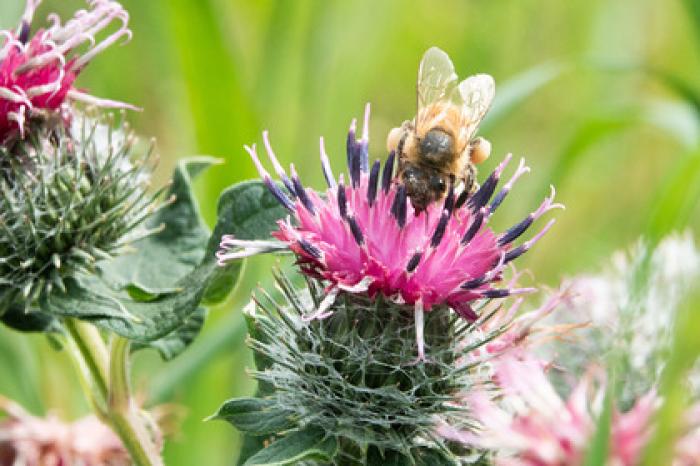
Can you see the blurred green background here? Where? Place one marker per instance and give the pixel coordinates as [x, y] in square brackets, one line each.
[601, 97]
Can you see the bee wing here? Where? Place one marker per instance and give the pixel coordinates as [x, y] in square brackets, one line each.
[436, 80]
[474, 96]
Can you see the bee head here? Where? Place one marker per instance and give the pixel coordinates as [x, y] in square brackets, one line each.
[437, 146]
[423, 186]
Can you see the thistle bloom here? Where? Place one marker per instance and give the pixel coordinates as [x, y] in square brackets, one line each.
[37, 73]
[533, 426]
[26, 440]
[365, 237]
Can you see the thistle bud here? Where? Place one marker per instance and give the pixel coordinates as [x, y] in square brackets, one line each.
[69, 196]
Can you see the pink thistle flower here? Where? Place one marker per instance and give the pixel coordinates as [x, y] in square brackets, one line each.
[533, 426]
[365, 237]
[37, 74]
[26, 440]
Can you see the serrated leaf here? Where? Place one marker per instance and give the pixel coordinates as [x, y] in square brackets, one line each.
[176, 342]
[256, 416]
[307, 444]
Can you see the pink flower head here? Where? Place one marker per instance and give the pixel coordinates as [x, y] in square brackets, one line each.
[533, 426]
[26, 440]
[364, 236]
[37, 73]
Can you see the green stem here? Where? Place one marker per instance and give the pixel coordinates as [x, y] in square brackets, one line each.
[119, 389]
[105, 378]
[93, 352]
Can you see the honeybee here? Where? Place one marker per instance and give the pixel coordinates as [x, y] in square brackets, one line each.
[437, 148]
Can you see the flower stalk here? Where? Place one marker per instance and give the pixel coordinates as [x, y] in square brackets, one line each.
[106, 380]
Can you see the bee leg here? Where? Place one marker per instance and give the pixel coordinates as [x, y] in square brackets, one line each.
[469, 179]
[396, 139]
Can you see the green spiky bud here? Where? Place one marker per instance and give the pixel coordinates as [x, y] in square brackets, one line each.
[355, 376]
[69, 196]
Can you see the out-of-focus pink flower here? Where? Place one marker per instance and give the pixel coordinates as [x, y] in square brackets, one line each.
[37, 73]
[26, 440]
[687, 451]
[365, 237]
[532, 426]
[523, 331]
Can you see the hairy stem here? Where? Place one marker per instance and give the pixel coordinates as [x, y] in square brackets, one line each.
[105, 377]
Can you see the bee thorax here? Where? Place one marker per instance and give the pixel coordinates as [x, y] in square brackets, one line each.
[437, 146]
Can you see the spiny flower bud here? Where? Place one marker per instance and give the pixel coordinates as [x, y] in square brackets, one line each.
[68, 198]
[354, 374]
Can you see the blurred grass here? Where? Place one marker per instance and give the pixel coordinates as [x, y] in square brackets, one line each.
[620, 145]
[674, 386]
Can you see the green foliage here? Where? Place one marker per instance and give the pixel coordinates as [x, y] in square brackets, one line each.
[247, 211]
[154, 264]
[676, 199]
[674, 391]
[176, 342]
[519, 89]
[309, 444]
[599, 446]
[152, 294]
[256, 416]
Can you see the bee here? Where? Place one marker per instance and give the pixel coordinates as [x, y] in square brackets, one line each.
[438, 148]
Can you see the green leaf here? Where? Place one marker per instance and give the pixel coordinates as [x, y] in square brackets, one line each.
[433, 457]
[694, 12]
[670, 418]
[677, 199]
[518, 89]
[176, 342]
[91, 299]
[29, 320]
[599, 448]
[256, 416]
[591, 131]
[211, 80]
[253, 321]
[676, 120]
[387, 458]
[308, 444]
[246, 210]
[158, 261]
[421, 456]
